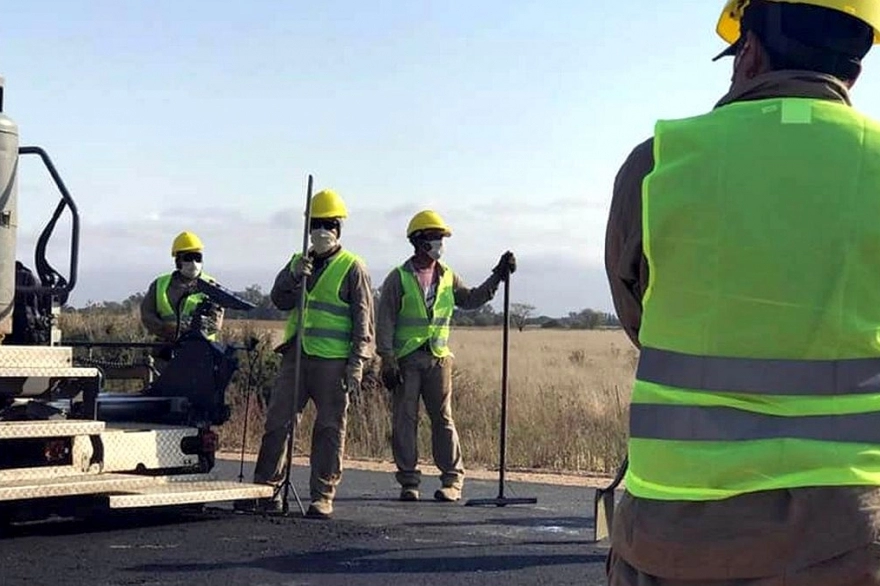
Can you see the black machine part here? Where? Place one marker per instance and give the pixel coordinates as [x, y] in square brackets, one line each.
[222, 296]
[217, 297]
[200, 371]
[191, 387]
[52, 282]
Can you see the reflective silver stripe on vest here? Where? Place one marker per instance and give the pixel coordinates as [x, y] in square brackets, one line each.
[417, 322]
[329, 308]
[435, 342]
[325, 333]
[758, 375]
[725, 424]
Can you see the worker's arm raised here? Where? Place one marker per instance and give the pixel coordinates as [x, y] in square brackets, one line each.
[473, 298]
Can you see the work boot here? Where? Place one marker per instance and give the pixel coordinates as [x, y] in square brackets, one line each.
[320, 509]
[409, 493]
[448, 494]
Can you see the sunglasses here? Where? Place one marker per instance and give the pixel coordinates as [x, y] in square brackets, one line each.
[426, 235]
[323, 224]
[191, 257]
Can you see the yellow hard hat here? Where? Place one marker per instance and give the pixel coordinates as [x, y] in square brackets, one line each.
[427, 220]
[186, 242]
[327, 204]
[867, 11]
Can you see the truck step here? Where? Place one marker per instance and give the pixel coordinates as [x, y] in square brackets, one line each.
[48, 372]
[36, 356]
[186, 493]
[82, 484]
[41, 362]
[49, 428]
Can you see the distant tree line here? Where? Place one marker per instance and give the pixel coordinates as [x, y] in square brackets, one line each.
[521, 314]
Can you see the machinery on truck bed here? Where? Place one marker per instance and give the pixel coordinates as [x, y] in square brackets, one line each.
[65, 443]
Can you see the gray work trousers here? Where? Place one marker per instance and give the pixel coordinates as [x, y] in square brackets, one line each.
[430, 379]
[323, 383]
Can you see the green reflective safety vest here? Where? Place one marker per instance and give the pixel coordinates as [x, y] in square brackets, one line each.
[413, 328]
[163, 304]
[328, 324]
[760, 334]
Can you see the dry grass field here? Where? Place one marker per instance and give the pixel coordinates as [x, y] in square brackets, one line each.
[568, 396]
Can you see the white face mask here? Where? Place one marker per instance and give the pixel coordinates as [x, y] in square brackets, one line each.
[436, 250]
[190, 269]
[323, 240]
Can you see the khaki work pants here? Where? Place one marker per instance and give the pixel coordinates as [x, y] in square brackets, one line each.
[428, 378]
[322, 382]
[813, 536]
[848, 569]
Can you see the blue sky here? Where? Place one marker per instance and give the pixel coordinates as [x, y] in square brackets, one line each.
[510, 118]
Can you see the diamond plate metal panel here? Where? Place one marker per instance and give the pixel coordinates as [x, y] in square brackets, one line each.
[48, 372]
[51, 428]
[74, 485]
[35, 357]
[41, 473]
[186, 493]
[128, 449]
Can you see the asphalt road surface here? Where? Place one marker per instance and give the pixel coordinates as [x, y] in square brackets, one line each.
[373, 539]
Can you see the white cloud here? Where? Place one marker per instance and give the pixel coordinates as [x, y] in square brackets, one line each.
[558, 247]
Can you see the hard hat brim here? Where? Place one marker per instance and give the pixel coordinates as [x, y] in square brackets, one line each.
[728, 52]
[447, 233]
[729, 30]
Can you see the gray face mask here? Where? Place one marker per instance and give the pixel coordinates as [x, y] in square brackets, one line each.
[323, 240]
[436, 250]
[191, 269]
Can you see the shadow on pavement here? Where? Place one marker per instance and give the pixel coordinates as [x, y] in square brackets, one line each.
[375, 561]
[536, 522]
[101, 523]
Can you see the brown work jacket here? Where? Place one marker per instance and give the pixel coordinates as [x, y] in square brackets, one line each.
[764, 534]
[391, 300]
[356, 290]
[149, 310]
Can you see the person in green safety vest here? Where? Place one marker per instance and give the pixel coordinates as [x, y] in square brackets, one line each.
[337, 341]
[415, 311]
[743, 255]
[172, 295]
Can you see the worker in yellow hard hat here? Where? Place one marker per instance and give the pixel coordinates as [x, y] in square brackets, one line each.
[337, 341]
[412, 334]
[171, 299]
[740, 251]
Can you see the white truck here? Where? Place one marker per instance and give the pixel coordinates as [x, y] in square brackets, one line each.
[65, 443]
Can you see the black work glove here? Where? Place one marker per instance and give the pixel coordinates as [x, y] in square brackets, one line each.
[165, 352]
[506, 265]
[391, 376]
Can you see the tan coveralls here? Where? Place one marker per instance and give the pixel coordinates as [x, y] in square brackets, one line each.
[322, 381]
[823, 536]
[427, 377]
